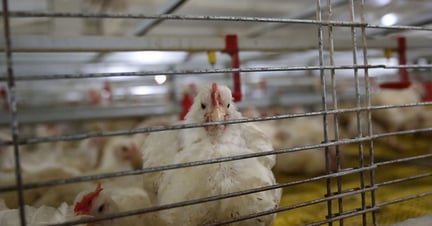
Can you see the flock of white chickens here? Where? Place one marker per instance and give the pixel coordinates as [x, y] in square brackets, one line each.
[94, 156]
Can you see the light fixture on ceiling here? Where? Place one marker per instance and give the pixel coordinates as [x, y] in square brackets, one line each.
[141, 90]
[148, 57]
[160, 79]
[380, 2]
[389, 19]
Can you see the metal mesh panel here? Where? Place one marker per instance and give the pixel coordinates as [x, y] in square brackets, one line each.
[351, 195]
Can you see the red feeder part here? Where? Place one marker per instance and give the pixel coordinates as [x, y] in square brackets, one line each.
[428, 89]
[395, 85]
[231, 48]
[404, 79]
[187, 100]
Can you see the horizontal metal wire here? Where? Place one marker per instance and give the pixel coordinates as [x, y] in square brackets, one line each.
[208, 71]
[81, 136]
[405, 179]
[406, 159]
[398, 27]
[346, 214]
[214, 198]
[209, 18]
[180, 17]
[404, 199]
[185, 72]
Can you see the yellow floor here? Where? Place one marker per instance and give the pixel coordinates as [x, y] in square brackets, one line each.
[386, 215]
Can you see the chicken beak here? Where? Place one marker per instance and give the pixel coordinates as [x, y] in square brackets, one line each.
[135, 158]
[217, 114]
[133, 152]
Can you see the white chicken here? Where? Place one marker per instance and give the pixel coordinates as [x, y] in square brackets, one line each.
[37, 216]
[103, 201]
[82, 155]
[394, 119]
[118, 155]
[212, 104]
[149, 122]
[42, 172]
[268, 127]
[300, 132]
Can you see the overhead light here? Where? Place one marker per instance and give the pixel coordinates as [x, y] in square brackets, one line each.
[140, 90]
[389, 19]
[160, 79]
[148, 57]
[147, 90]
[380, 2]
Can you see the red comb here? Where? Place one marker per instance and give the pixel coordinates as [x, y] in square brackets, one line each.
[84, 206]
[215, 95]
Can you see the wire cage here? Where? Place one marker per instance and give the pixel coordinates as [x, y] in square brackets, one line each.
[368, 184]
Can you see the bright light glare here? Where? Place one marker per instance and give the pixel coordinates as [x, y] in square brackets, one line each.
[160, 79]
[148, 90]
[380, 2]
[141, 90]
[148, 57]
[389, 19]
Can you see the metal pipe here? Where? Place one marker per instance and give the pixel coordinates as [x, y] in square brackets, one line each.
[372, 175]
[231, 47]
[37, 43]
[404, 79]
[323, 100]
[146, 26]
[205, 71]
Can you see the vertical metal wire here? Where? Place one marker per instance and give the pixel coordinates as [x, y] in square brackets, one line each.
[13, 110]
[358, 113]
[369, 113]
[324, 103]
[335, 106]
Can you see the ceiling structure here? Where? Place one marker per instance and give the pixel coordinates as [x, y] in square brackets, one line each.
[56, 45]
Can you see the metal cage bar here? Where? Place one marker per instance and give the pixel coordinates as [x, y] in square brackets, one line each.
[13, 111]
[368, 113]
[24, 14]
[358, 104]
[323, 100]
[208, 71]
[334, 106]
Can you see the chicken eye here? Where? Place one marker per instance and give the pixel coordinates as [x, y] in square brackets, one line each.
[203, 106]
[101, 208]
[124, 149]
